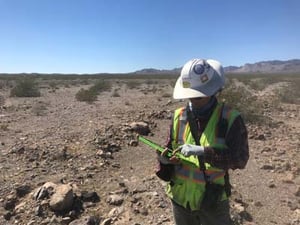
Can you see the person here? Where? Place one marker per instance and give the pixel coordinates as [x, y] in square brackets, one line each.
[211, 138]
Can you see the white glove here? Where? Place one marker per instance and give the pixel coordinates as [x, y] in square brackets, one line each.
[188, 150]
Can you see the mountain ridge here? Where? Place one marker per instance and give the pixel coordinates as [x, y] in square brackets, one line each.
[271, 66]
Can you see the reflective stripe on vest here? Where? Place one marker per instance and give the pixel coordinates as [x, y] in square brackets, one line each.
[182, 126]
[186, 173]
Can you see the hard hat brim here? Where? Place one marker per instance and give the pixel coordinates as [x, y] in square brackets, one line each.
[182, 93]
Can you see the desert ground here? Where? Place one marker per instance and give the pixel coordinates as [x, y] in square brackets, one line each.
[87, 154]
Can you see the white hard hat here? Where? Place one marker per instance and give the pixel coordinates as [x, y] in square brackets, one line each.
[199, 78]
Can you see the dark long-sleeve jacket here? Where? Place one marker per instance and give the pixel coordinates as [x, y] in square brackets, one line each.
[235, 156]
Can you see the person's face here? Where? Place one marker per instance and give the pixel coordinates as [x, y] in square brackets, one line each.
[199, 102]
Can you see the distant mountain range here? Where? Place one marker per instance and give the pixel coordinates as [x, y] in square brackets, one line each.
[273, 66]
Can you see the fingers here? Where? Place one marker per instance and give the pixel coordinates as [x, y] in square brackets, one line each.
[175, 160]
[164, 153]
[177, 150]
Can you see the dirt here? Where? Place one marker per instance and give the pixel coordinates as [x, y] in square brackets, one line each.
[55, 138]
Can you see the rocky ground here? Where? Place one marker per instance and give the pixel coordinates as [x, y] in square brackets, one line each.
[68, 162]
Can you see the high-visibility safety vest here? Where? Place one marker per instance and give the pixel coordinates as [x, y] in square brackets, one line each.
[187, 185]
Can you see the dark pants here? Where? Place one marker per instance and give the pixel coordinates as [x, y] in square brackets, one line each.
[218, 216]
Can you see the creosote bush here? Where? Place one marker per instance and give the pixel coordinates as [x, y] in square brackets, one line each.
[249, 106]
[132, 84]
[90, 95]
[290, 93]
[25, 88]
[101, 86]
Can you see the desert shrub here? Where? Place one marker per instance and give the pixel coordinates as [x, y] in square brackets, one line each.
[101, 86]
[2, 100]
[133, 84]
[84, 81]
[2, 85]
[26, 87]
[53, 85]
[150, 82]
[6, 84]
[88, 96]
[290, 93]
[249, 106]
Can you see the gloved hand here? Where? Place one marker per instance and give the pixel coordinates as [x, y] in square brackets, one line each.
[162, 158]
[189, 149]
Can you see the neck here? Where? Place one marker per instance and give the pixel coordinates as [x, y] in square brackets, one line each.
[204, 110]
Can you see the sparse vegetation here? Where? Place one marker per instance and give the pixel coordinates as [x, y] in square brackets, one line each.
[132, 84]
[290, 93]
[2, 100]
[101, 86]
[25, 87]
[88, 96]
[249, 106]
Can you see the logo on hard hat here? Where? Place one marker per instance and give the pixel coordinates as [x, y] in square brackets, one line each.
[186, 84]
[199, 68]
[204, 78]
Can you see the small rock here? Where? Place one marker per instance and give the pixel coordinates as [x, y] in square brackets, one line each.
[271, 184]
[38, 210]
[10, 204]
[115, 200]
[45, 191]
[89, 196]
[106, 221]
[115, 212]
[7, 215]
[133, 143]
[141, 128]
[268, 167]
[260, 137]
[62, 199]
[297, 193]
[258, 204]
[20, 208]
[22, 190]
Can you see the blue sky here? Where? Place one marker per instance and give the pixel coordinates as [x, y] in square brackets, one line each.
[90, 36]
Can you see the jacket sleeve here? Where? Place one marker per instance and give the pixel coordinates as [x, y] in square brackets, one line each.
[236, 155]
